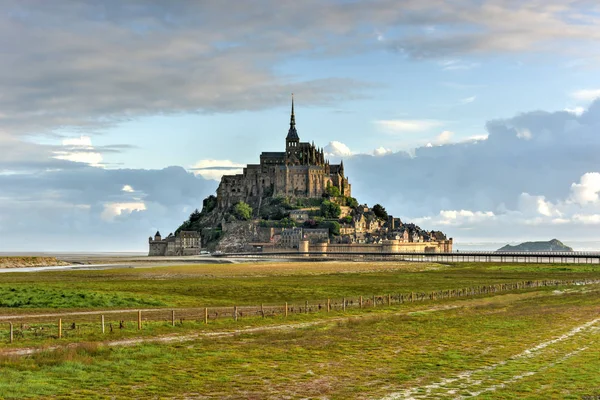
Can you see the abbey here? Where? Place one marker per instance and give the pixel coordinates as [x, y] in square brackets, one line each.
[300, 171]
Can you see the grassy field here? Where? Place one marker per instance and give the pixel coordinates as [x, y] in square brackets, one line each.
[541, 343]
[241, 284]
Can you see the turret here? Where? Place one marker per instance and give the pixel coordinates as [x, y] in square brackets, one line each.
[292, 140]
[157, 236]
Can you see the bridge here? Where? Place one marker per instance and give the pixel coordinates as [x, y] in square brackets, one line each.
[572, 257]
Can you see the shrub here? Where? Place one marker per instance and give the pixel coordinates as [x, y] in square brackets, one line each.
[330, 209]
[242, 211]
[380, 212]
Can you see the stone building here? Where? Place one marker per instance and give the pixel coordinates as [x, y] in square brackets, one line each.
[300, 171]
[186, 243]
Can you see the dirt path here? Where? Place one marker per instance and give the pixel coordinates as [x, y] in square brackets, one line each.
[529, 362]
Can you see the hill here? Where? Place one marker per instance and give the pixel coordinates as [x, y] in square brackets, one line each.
[551, 245]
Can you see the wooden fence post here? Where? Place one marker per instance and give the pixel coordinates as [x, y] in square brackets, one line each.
[306, 307]
[139, 319]
[11, 332]
[360, 301]
[344, 304]
[235, 313]
[60, 328]
[374, 304]
[172, 317]
[328, 305]
[102, 321]
[262, 310]
[389, 300]
[205, 315]
[286, 309]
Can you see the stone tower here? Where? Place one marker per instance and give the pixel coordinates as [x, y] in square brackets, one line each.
[292, 141]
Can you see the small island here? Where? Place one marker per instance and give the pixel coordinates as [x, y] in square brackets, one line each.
[551, 245]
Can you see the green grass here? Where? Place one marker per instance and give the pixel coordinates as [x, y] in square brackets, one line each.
[358, 354]
[251, 284]
[366, 356]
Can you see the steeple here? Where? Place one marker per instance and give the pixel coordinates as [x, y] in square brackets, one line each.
[292, 134]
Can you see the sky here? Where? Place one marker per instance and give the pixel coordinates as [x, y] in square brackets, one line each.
[476, 117]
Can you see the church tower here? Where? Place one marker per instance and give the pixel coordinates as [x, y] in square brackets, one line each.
[292, 141]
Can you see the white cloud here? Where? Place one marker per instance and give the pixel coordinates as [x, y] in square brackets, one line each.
[476, 138]
[215, 169]
[524, 134]
[112, 210]
[586, 94]
[467, 100]
[79, 150]
[587, 219]
[407, 125]
[457, 218]
[575, 110]
[337, 149]
[457, 64]
[128, 189]
[586, 191]
[381, 151]
[534, 205]
[83, 141]
[444, 137]
[93, 159]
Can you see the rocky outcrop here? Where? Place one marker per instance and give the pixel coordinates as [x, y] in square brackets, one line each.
[551, 245]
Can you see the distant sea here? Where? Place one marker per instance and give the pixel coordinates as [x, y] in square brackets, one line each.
[590, 245]
[593, 245]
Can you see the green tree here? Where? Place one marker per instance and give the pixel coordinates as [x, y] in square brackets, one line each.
[242, 211]
[380, 212]
[195, 216]
[333, 226]
[351, 202]
[347, 219]
[330, 209]
[209, 204]
[333, 191]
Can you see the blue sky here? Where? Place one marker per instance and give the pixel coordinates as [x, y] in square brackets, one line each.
[474, 117]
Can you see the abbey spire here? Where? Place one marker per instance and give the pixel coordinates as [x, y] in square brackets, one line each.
[292, 133]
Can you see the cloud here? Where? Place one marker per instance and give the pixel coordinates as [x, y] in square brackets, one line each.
[215, 169]
[467, 100]
[112, 210]
[537, 167]
[80, 150]
[524, 133]
[453, 65]
[407, 125]
[337, 149]
[576, 110]
[67, 69]
[95, 205]
[381, 151]
[444, 137]
[587, 95]
[586, 191]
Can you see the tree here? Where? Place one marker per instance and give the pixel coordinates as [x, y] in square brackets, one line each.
[195, 216]
[380, 212]
[333, 191]
[347, 219]
[330, 209]
[209, 204]
[351, 202]
[242, 211]
[333, 226]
